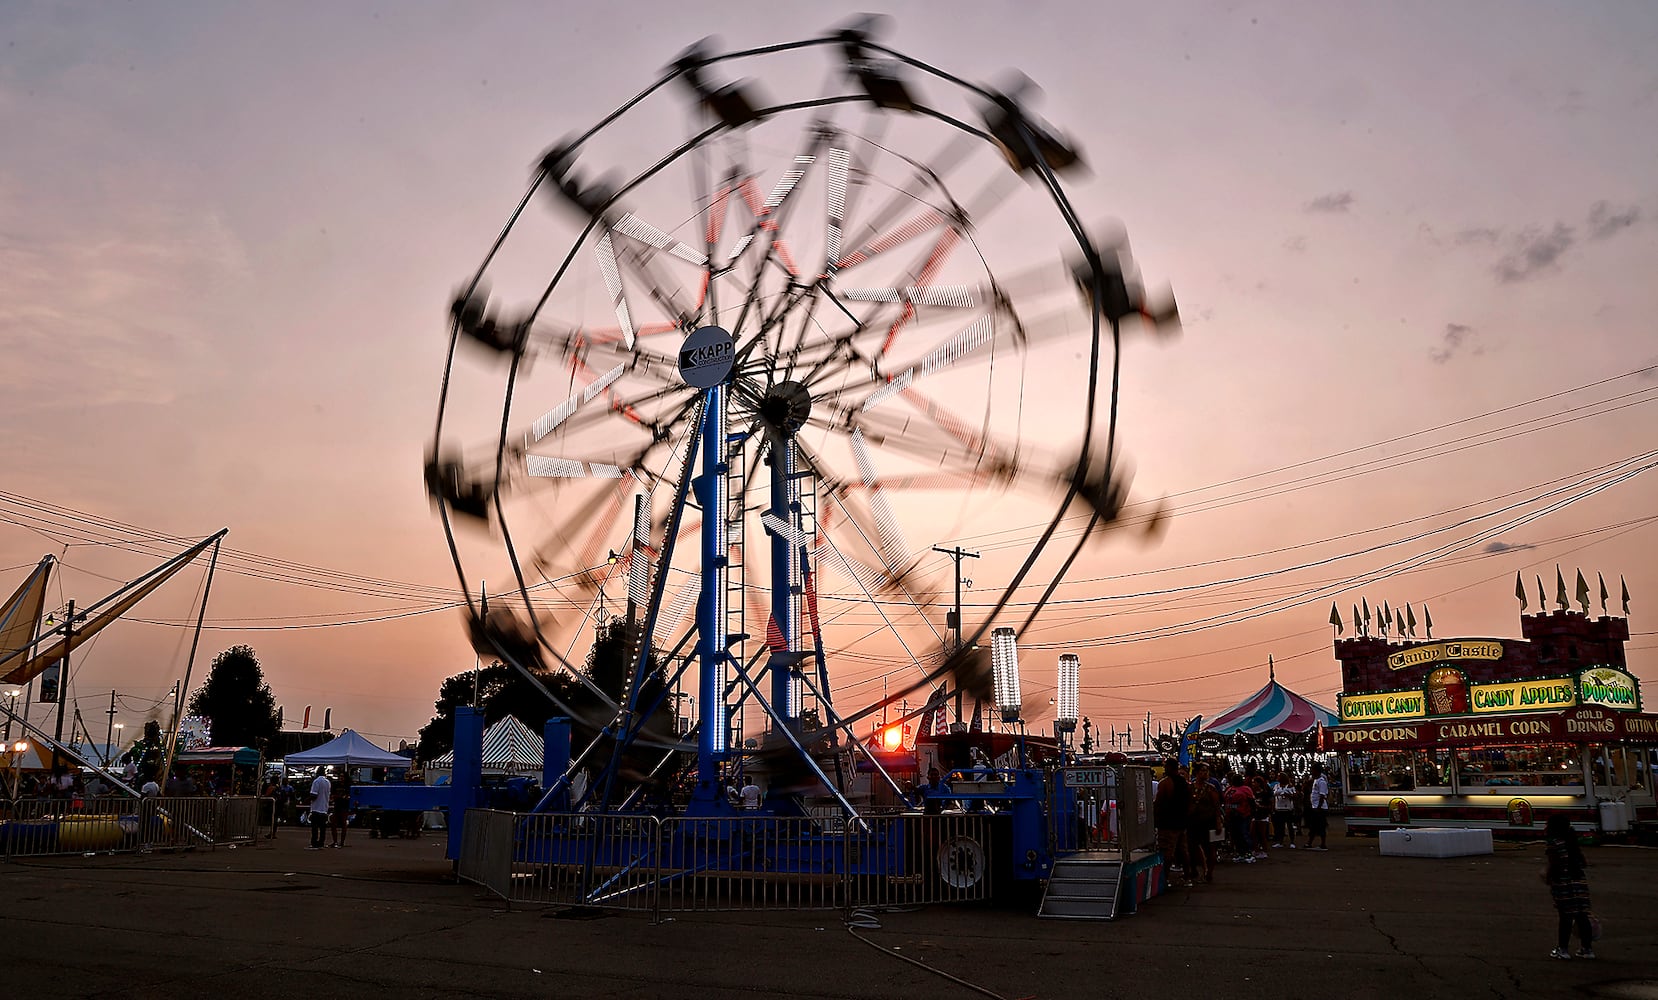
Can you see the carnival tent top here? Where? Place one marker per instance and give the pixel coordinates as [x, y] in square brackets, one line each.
[348, 749]
[1273, 707]
[509, 746]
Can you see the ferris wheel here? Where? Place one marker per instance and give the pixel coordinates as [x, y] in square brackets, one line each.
[753, 343]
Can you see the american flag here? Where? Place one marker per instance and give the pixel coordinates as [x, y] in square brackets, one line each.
[936, 721]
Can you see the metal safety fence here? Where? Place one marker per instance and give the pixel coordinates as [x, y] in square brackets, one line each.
[39, 827]
[687, 864]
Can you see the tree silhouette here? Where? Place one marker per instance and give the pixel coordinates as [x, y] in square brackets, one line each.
[501, 691]
[236, 701]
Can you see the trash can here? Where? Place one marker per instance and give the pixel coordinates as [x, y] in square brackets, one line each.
[1614, 816]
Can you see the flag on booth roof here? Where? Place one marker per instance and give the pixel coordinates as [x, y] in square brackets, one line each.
[1358, 623]
[774, 636]
[941, 718]
[1335, 618]
[924, 727]
[1583, 591]
[1399, 620]
[1542, 600]
[1561, 602]
[1410, 620]
[1625, 587]
[1520, 591]
[1603, 594]
[1427, 620]
[1366, 604]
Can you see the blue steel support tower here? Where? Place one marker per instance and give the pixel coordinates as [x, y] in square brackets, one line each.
[711, 635]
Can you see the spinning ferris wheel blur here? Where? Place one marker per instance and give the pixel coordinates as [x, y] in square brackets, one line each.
[775, 350]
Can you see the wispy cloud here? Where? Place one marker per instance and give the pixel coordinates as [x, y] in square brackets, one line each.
[1498, 545]
[1533, 252]
[1478, 236]
[111, 307]
[1458, 338]
[1605, 221]
[1339, 201]
[1295, 244]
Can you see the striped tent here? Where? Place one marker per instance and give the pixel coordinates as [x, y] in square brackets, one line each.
[509, 748]
[1273, 707]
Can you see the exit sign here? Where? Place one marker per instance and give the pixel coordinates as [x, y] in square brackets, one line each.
[1085, 777]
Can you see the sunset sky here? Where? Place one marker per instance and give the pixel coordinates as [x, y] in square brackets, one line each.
[1414, 248]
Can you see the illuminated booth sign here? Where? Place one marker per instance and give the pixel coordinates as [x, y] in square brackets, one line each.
[1577, 725]
[1447, 692]
[1610, 687]
[1436, 652]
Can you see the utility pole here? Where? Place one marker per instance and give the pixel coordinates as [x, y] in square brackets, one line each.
[957, 554]
[483, 616]
[109, 729]
[63, 675]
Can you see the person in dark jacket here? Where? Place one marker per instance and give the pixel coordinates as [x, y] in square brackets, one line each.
[1168, 813]
[1568, 886]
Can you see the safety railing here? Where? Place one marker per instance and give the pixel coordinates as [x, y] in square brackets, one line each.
[913, 860]
[486, 849]
[688, 864]
[587, 859]
[36, 827]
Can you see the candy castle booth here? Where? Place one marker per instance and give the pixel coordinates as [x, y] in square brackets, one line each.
[1496, 733]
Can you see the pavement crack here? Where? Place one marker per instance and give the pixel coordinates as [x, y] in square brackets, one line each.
[1393, 943]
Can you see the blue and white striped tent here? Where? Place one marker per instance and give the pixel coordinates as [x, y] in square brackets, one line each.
[510, 747]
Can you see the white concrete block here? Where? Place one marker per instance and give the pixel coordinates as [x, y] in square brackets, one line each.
[1434, 842]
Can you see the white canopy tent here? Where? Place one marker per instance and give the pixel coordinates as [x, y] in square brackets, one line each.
[347, 749]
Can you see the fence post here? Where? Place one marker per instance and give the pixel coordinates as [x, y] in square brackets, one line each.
[656, 870]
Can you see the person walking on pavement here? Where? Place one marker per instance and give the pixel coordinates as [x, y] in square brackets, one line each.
[321, 790]
[1568, 887]
[1318, 810]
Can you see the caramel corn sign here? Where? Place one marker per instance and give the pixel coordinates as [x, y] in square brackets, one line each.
[1438, 652]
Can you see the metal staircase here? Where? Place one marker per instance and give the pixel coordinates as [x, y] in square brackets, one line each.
[1084, 886]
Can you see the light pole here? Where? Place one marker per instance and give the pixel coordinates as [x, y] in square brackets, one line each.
[115, 745]
[18, 749]
[11, 709]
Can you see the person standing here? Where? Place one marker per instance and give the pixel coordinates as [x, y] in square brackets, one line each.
[321, 791]
[1283, 812]
[1568, 886]
[1240, 808]
[1318, 810]
[1169, 807]
[340, 814]
[1203, 820]
[750, 796]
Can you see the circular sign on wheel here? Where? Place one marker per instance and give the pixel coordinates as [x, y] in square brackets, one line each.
[961, 863]
[706, 356]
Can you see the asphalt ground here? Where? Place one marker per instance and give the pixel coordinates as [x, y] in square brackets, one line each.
[385, 918]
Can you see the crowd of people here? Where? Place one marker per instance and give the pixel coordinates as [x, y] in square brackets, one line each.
[1198, 812]
[64, 782]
